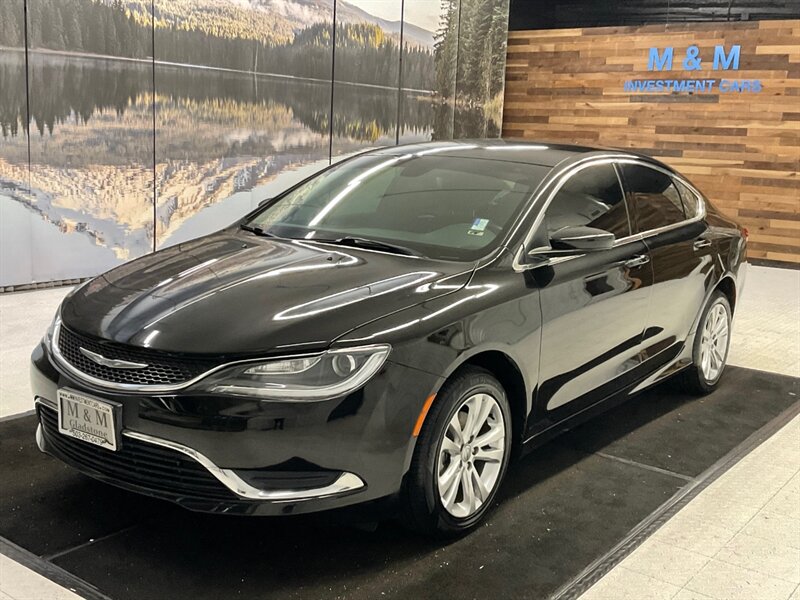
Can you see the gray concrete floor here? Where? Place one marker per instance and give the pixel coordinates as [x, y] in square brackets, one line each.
[24, 317]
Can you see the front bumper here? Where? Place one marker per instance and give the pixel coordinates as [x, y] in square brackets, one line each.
[238, 455]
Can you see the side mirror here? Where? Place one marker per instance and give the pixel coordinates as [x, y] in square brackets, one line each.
[583, 239]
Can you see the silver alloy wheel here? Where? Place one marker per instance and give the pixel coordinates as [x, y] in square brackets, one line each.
[471, 455]
[714, 342]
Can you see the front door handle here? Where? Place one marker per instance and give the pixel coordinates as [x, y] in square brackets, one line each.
[637, 261]
[701, 244]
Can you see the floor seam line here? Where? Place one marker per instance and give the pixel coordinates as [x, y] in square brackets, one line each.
[50, 571]
[752, 570]
[646, 467]
[91, 542]
[19, 415]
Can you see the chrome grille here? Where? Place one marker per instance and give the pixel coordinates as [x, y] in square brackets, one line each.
[161, 369]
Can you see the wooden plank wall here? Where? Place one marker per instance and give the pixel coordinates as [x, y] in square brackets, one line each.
[741, 149]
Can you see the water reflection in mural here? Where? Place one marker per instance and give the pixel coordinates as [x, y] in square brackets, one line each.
[15, 221]
[367, 72]
[241, 107]
[90, 146]
[429, 63]
[222, 134]
[226, 133]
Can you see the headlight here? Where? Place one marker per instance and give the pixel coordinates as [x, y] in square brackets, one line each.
[319, 377]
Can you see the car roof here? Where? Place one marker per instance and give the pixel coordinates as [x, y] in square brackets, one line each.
[536, 153]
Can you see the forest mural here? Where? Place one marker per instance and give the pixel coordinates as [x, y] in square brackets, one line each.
[129, 125]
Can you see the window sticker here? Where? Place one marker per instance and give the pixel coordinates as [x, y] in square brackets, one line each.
[478, 227]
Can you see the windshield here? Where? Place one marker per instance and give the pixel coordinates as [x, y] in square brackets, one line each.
[442, 207]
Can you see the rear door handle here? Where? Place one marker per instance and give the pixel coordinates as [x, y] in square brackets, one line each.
[637, 261]
[701, 244]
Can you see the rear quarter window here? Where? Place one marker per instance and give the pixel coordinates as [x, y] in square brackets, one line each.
[654, 196]
[691, 201]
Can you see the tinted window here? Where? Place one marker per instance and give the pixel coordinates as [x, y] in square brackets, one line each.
[592, 198]
[655, 197]
[691, 203]
[442, 207]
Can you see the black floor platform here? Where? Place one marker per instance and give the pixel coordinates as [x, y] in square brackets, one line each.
[561, 508]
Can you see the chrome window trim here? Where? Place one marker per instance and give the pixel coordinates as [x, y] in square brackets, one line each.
[589, 236]
[520, 265]
[625, 200]
[698, 197]
[346, 482]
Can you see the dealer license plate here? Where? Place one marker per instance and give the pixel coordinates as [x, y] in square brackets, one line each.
[87, 418]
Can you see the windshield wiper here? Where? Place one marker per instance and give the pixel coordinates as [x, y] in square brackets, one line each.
[257, 230]
[359, 242]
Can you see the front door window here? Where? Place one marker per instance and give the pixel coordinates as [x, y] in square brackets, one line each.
[591, 198]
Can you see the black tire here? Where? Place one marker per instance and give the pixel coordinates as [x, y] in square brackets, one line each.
[692, 379]
[422, 508]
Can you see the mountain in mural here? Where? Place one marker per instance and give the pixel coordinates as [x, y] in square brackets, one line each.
[271, 21]
[347, 13]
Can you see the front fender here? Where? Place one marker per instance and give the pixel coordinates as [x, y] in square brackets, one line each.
[498, 311]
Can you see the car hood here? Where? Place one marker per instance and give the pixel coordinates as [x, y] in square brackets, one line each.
[233, 293]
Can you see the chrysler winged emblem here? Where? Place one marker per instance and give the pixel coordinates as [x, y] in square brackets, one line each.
[110, 362]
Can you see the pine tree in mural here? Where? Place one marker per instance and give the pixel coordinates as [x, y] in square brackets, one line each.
[90, 27]
[446, 48]
[482, 42]
[482, 49]
[11, 24]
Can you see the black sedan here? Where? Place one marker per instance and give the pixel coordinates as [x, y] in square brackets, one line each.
[395, 327]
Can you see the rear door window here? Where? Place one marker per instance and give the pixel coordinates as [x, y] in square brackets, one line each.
[654, 196]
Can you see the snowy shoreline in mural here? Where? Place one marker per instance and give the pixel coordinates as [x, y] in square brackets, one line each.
[117, 169]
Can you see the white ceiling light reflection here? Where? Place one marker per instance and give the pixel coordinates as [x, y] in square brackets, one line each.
[357, 294]
[350, 186]
[517, 147]
[150, 337]
[347, 259]
[485, 289]
[197, 267]
[446, 149]
[165, 282]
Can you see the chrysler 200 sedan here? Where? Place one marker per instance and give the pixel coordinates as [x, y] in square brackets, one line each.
[396, 326]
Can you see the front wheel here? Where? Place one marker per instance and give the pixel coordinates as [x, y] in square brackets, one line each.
[710, 350]
[461, 456]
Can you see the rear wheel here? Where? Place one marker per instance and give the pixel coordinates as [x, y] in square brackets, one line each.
[461, 456]
[710, 350]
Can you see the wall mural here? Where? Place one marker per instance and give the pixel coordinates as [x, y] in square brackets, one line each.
[155, 121]
[16, 221]
[480, 72]
[242, 96]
